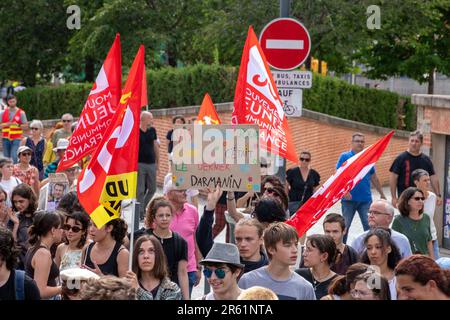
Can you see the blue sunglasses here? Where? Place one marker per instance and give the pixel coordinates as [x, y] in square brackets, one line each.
[220, 273]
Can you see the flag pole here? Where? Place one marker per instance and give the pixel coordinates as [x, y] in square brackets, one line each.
[133, 213]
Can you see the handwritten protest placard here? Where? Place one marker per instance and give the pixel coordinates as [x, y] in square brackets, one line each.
[225, 156]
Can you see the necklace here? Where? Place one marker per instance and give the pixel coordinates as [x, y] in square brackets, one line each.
[319, 281]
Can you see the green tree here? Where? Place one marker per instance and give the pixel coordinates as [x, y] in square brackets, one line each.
[34, 39]
[414, 41]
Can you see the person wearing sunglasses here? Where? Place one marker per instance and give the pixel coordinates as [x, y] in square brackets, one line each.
[413, 223]
[26, 172]
[381, 214]
[360, 197]
[302, 182]
[36, 142]
[222, 267]
[64, 132]
[68, 254]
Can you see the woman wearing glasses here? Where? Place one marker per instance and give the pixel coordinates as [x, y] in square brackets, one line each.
[36, 143]
[413, 223]
[150, 275]
[68, 254]
[302, 182]
[382, 252]
[24, 171]
[370, 286]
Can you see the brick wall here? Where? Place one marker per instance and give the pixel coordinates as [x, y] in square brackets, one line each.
[324, 136]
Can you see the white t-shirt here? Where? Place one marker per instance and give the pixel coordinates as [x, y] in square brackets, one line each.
[429, 206]
[8, 186]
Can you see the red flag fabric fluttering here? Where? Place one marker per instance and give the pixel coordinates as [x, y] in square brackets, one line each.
[98, 110]
[343, 181]
[256, 101]
[207, 113]
[111, 175]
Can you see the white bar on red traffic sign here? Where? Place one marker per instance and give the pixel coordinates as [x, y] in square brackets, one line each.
[284, 44]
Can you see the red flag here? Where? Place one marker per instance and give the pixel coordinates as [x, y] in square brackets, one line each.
[343, 181]
[96, 115]
[111, 175]
[207, 113]
[144, 98]
[256, 101]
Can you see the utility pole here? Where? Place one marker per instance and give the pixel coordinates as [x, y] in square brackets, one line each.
[285, 6]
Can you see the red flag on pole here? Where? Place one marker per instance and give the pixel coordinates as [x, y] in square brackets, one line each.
[101, 104]
[256, 101]
[144, 98]
[111, 175]
[207, 113]
[343, 181]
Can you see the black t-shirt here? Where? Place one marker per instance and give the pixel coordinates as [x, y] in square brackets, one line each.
[405, 164]
[8, 290]
[170, 144]
[301, 190]
[320, 288]
[175, 249]
[147, 140]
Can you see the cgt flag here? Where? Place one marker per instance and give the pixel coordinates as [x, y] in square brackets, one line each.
[256, 101]
[111, 175]
[98, 111]
[343, 181]
[207, 113]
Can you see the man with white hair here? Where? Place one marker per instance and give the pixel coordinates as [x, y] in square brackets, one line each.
[148, 161]
[65, 131]
[381, 214]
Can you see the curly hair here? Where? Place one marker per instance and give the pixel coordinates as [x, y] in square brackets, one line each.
[153, 206]
[8, 250]
[107, 288]
[384, 236]
[23, 190]
[69, 203]
[120, 229]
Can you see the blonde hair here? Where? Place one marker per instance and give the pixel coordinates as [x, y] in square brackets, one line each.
[108, 288]
[257, 293]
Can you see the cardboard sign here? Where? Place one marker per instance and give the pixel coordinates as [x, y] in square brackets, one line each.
[209, 156]
[58, 186]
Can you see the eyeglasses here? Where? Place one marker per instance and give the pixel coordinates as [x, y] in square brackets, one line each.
[34, 128]
[359, 293]
[68, 227]
[377, 213]
[305, 159]
[67, 120]
[220, 273]
[419, 198]
[26, 154]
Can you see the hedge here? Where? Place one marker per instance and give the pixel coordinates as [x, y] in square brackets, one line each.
[175, 87]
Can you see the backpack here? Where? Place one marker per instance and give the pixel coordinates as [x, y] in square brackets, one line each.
[19, 284]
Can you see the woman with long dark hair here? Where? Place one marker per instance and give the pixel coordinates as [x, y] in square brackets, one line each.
[24, 204]
[68, 254]
[150, 275]
[382, 252]
[413, 223]
[39, 265]
[107, 254]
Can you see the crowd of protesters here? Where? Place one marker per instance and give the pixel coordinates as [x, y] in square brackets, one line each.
[61, 254]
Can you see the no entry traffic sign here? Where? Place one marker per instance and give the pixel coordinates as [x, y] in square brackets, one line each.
[285, 43]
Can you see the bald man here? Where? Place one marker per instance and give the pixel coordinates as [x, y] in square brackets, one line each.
[148, 162]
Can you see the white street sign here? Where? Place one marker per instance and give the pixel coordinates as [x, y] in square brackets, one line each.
[292, 101]
[292, 79]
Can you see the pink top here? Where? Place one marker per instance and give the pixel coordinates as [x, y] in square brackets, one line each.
[185, 223]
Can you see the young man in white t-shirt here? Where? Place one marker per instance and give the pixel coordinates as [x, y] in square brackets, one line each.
[281, 243]
[8, 182]
[422, 181]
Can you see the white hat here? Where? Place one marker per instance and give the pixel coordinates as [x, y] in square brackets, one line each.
[79, 274]
[61, 145]
[22, 149]
[168, 185]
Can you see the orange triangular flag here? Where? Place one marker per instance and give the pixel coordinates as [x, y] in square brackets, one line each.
[207, 114]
